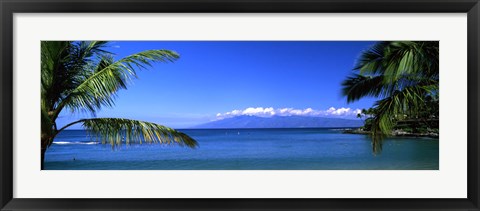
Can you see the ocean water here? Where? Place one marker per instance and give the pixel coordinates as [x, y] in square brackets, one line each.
[247, 149]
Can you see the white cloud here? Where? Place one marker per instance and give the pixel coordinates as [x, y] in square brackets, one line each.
[270, 111]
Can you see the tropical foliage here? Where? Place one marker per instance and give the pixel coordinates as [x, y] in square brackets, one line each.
[84, 77]
[405, 75]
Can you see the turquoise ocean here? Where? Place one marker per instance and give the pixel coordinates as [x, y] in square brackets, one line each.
[247, 149]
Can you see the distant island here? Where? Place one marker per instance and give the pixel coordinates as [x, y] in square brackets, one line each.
[246, 121]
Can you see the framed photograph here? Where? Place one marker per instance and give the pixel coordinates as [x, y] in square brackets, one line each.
[225, 105]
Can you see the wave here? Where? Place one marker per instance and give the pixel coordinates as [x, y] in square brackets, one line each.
[78, 142]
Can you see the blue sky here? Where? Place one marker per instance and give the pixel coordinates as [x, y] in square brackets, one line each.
[220, 79]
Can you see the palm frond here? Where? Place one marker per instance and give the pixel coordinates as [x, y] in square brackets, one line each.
[395, 58]
[100, 87]
[64, 66]
[404, 74]
[401, 58]
[406, 102]
[371, 60]
[358, 86]
[52, 55]
[118, 131]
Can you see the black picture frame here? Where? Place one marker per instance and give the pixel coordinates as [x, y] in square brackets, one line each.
[9, 7]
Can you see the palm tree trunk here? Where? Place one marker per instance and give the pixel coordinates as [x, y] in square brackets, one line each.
[45, 139]
[42, 167]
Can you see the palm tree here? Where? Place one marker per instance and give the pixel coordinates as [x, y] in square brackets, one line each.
[83, 77]
[404, 74]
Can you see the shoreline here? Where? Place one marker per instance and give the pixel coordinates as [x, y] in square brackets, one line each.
[395, 133]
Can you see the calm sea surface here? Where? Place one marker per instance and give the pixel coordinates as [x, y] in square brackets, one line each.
[246, 149]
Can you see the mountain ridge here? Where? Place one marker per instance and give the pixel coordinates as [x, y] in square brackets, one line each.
[246, 121]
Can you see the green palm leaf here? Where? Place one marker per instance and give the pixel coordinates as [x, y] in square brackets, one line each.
[83, 76]
[399, 105]
[358, 86]
[404, 74]
[371, 60]
[100, 87]
[117, 131]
